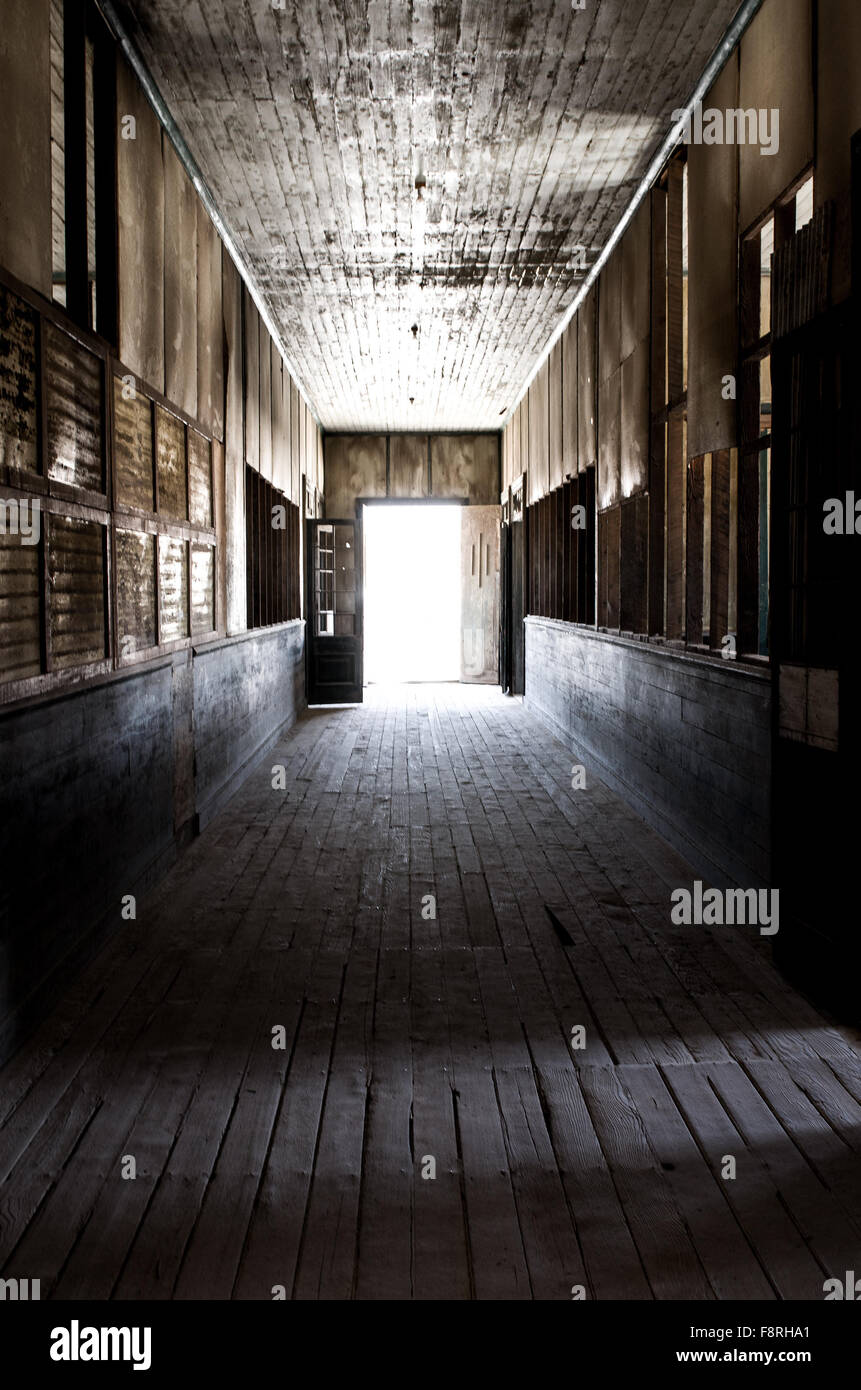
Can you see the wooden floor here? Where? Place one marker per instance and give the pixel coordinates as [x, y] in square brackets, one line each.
[409, 1036]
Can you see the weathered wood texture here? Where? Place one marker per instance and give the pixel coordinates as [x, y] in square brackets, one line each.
[25, 170]
[685, 740]
[141, 205]
[180, 284]
[117, 748]
[838, 116]
[480, 595]
[210, 334]
[355, 467]
[409, 460]
[587, 391]
[539, 436]
[713, 281]
[407, 1036]
[234, 448]
[410, 466]
[776, 73]
[466, 465]
[531, 125]
[634, 348]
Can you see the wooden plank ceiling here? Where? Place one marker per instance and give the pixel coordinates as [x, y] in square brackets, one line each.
[531, 120]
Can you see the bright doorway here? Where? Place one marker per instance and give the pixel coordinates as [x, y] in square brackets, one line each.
[412, 592]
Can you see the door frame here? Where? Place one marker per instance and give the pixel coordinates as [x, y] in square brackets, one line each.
[396, 502]
[311, 636]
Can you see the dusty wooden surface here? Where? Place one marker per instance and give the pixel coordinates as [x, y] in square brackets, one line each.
[409, 1037]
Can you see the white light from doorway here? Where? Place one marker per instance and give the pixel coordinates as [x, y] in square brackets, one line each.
[412, 592]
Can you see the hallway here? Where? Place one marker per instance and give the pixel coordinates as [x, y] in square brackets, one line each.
[410, 1036]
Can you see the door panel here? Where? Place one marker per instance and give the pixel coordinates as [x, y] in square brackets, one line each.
[505, 595]
[479, 662]
[518, 587]
[334, 639]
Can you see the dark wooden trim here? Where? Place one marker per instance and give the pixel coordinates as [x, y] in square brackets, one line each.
[675, 301]
[75, 157]
[107, 593]
[41, 404]
[155, 484]
[157, 596]
[44, 632]
[105, 171]
[856, 215]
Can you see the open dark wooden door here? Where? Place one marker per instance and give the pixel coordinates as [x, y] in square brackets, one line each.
[334, 638]
[505, 594]
[816, 750]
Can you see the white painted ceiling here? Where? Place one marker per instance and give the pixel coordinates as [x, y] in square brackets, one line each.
[531, 122]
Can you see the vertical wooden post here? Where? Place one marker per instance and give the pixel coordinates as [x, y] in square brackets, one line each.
[75, 152]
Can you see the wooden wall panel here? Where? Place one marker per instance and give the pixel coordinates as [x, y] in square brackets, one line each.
[539, 441]
[523, 412]
[295, 457]
[613, 524]
[252, 380]
[838, 116]
[200, 495]
[634, 441]
[587, 434]
[675, 524]
[610, 319]
[601, 611]
[75, 564]
[518, 462]
[282, 475]
[19, 411]
[776, 70]
[634, 565]
[135, 579]
[25, 169]
[505, 456]
[675, 374]
[210, 335]
[74, 399]
[465, 465]
[20, 612]
[408, 465]
[658, 433]
[713, 279]
[310, 444]
[462, 466]
[140, 193]
[569, 399]
[355, 467]
[264, 368]
[219, 500]
[480, 595]
[609, 439]
[486, 484]
[719, 558]
[636, 251]
[554, 394]
[303, 438]
[234, 449]
[694, 551]
[180, 284]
